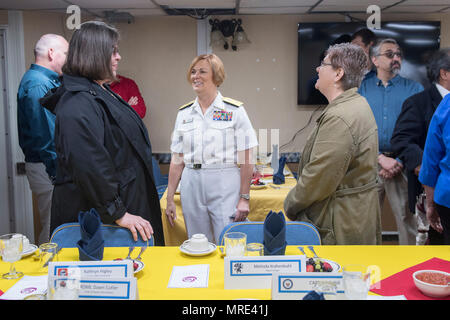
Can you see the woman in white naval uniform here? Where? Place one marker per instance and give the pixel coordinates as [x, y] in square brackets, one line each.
[212, 136]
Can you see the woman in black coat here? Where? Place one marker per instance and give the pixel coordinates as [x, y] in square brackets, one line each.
[103, 148]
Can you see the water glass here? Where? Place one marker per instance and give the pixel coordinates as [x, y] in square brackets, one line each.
[235, 244]
[356, 281]
[255, 249]
[327, 288]
[47, 251]
[63, 288]
[11, 247]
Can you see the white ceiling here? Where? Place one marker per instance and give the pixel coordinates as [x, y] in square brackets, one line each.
[153, 7]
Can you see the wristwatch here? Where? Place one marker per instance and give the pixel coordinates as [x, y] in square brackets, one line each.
[245, 196]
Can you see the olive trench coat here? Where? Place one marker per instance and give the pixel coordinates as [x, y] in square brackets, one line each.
[337, 177]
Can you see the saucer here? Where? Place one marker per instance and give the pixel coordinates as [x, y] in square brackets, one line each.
[184, 248]
[30, 250]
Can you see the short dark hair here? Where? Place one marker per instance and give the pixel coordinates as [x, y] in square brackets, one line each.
[367, 36]
[90, 51]
[439, 60]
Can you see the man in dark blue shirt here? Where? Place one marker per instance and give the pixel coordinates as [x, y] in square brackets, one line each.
[385, 92]
[36, 125]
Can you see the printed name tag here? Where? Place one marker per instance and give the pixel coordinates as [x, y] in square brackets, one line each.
[92, 269]
[296, 286]
[88, 288]
[98, 279]
[256, 272]
[123, 289]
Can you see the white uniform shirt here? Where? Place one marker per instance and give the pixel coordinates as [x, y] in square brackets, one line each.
[215, 137]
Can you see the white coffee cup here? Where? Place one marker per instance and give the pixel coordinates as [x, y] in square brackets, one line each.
[198, 242]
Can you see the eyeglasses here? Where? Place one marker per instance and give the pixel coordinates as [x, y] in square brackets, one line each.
[391, 54]
[323, 64]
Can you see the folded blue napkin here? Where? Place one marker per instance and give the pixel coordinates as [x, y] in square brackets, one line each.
[313, 295]
[274, 234]
[91, 244]
[278, 178]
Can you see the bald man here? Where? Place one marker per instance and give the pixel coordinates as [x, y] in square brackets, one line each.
[37, 125]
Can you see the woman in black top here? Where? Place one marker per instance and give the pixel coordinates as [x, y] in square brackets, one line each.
[104, 152]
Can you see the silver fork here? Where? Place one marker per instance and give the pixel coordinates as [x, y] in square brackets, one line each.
[129, 253]
[142, 251]
[301, 249]
[312, 250]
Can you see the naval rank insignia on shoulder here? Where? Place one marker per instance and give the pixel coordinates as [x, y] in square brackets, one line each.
[233, 102]
[184, 106]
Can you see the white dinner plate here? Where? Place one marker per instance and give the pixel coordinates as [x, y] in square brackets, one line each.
[29, 250]
[185, 249]
[141, 265]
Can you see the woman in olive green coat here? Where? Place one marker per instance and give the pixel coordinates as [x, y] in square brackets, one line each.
[336, 187]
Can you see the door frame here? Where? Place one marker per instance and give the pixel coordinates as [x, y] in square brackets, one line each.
[21, 204]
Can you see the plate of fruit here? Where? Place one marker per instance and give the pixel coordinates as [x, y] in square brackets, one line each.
[321, 265]
[138, 265]
[257, 184]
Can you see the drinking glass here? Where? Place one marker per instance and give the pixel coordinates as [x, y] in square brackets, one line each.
[47, 251]
[11, 247]
[327, 288]
[255, 249]
[235, 243]
[63, 288]
[356, 281]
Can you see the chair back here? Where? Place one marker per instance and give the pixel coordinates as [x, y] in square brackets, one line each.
[160, 179]
[297, 232]
[67, 235]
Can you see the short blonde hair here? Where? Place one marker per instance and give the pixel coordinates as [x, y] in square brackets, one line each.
[216, 65]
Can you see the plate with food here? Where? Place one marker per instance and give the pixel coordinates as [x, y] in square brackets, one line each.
[321, 265]
[138, 265]
[257, 184]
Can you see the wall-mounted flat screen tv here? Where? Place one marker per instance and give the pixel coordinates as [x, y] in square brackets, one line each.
[416, 39]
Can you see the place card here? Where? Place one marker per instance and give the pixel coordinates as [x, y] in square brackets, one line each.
[296, 285]
[256, 272]
[28, 285]
[93, 269]
[194, 276]
[108, 289]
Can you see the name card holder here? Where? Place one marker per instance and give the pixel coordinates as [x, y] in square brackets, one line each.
[92, 269]
[110, 280]
[256, 272]
[296, 285]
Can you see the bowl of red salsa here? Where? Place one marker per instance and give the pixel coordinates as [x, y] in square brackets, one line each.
[433, 283]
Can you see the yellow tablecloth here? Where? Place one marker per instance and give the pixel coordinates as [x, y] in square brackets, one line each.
[159, 261]
[261, 202]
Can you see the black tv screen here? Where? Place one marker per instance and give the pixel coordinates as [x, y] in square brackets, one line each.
[418, 40]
